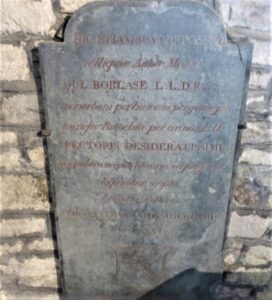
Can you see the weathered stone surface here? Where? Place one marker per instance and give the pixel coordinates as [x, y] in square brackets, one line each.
[29, 138]
[225, 292]
[5, 295]
[14, 64]
[133, 179]
[69, 6]
[261, 53]
[256, 157]
[20, 109]
[261, 175]
[232, 252]
[265, 295]
[24, 192]
[259, 78]
[33, 272]
[254, 14]
[232, 258]
[11, 248]
[247, 226]
[14, 159]
[44, 244]
[258, 255]
[37, 157]
[22, 227]
[243, 33]
[247, 193]
[10, 159]
[258, 104]
[8, 138]
[270, 200]
[33, 17]
[257, 133]
[249, 276]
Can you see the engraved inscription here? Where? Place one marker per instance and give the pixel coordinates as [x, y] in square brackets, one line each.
[143, 104]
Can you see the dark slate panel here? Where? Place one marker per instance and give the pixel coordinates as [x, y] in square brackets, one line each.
[143, 101]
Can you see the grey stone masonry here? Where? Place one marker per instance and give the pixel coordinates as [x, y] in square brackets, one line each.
[29, 257]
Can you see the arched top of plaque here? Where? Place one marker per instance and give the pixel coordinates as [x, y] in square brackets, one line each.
[145, 23]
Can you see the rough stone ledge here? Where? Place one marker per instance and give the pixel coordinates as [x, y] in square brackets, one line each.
[256, 155]
[49, 235]
[33, 295]
[264, 68]
[253, 116]
[22, 214]
[13, 93]
[17, 215]
[20, 127]
[8, 138]
[30, 235]
[249, 226]
[28, 291]
[249, 276]
[267, 148]
[15, 87]
[12, 291]
[260, 78]
[23, 227]
[21, 159]
[24, 172]
[255, 92]
[249, 192]
[250, 256]
[255, 87]
[245, 211]
[261, 175]
[227, 291]
[28, 247]
[258, 92]
[230, 270]
[43, 245]
[261, 50]
[258, 111]
[249, 242]
[238, 31]
[22, 147]
[22, 137]
[37, 254]
[250, 209]
[16, 38]
[23, 108]
[257, 256]
[262, 146]
[34, 17]
[15, 63]
[23, 128]
[24, 193]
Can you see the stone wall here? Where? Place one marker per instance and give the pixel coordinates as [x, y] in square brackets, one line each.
[29, 263]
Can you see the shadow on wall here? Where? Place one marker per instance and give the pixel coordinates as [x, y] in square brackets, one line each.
[42, 134]
[188, 285]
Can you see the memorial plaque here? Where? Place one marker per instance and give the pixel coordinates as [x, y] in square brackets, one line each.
[143, 101]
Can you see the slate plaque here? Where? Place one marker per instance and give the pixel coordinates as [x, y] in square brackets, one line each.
[143, 101]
